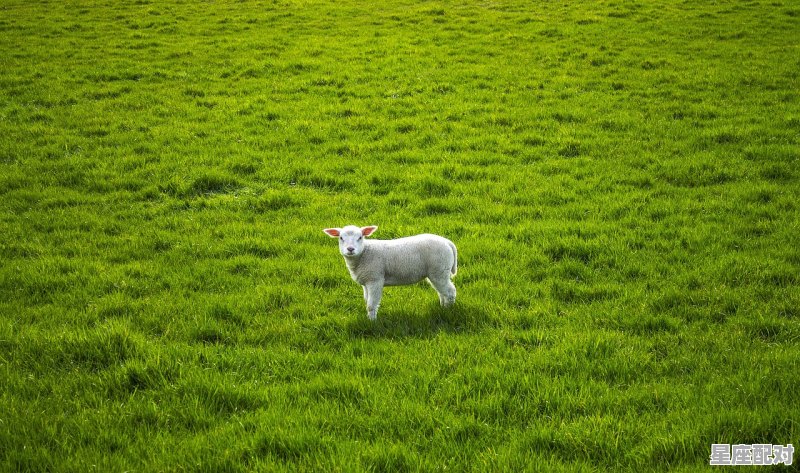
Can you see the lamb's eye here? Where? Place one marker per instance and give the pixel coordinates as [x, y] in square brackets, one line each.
[359, 238]
[341, 238]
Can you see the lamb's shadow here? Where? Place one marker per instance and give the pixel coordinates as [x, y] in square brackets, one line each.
[424, 323]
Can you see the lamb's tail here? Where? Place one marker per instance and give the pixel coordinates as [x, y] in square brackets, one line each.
[454, 269]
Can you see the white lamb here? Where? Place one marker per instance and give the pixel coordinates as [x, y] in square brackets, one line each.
[378, 263]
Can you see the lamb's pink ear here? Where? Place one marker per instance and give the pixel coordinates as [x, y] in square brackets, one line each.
[332, 232]
[367, 231]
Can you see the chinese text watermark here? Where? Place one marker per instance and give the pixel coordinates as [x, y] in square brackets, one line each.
[751, 454]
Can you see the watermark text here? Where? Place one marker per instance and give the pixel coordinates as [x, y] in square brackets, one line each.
[751, 454]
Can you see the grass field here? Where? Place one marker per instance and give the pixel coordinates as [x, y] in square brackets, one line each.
[621, 179]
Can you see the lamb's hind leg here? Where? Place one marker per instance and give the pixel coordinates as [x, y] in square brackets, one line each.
[445, 287]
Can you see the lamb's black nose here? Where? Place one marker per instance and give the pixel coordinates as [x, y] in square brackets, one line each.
[350, 249]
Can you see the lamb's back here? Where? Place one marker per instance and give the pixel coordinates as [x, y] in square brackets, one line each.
[410, 259]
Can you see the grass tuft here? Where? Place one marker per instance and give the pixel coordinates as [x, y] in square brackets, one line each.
[212, 183]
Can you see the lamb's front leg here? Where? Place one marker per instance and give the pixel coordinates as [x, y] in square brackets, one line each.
[373, 292]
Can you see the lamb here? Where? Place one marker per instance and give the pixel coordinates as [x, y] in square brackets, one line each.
[378, 263]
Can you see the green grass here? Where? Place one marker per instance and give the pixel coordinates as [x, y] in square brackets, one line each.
[621, 179]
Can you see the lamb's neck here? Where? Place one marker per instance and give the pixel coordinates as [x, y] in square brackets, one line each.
[352, 262]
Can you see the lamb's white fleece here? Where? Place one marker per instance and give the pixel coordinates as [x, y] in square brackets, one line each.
[378, 263]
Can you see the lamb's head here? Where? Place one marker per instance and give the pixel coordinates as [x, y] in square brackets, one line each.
[351, 238]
